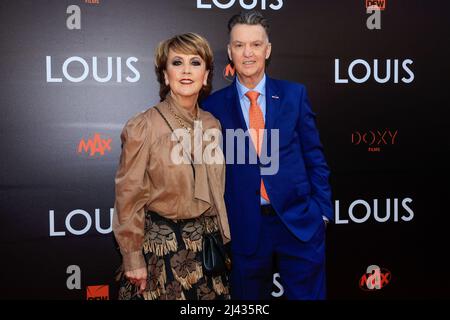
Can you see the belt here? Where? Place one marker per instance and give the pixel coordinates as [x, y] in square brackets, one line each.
[268, 210]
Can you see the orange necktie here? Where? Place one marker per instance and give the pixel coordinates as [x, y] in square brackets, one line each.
[256, 122]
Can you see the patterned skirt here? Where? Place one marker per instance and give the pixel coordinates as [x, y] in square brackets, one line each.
[173, 252]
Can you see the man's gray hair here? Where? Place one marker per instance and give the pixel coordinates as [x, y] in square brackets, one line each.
[249, 18]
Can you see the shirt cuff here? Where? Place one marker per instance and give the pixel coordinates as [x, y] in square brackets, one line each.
[133, 260]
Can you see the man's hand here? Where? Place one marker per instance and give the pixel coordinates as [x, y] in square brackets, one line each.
[325, 221]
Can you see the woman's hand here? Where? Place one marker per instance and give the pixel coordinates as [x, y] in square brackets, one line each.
[138, 277]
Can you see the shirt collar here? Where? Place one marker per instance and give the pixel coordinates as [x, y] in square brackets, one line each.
[181, 112]
[260, 87]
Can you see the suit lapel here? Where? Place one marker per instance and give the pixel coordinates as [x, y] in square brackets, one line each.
[234, 105]
[238, 121]
[272, 103]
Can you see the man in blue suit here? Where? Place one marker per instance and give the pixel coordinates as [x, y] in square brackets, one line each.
[277, 217]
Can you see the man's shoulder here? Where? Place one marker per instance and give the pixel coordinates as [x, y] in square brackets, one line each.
[287, 85]
[217, 98]
[220, 93]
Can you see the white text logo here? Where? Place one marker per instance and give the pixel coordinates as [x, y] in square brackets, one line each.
[74, 278]
[364, 70]
[79, 222]
[360, 211]
[77, 69]
[246, 5]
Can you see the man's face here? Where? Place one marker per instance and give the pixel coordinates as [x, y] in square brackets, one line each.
[249, 48]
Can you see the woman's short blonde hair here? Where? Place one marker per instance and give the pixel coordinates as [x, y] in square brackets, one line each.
[188, 43]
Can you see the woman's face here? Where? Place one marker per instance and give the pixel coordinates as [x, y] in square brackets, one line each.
[185, 74]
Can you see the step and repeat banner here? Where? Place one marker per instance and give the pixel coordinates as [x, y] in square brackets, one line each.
[73, 72]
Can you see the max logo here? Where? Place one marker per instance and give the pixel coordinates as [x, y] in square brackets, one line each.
[98, 292]
[374, 278]
[94, 146]
[376, 4]
[228, 73]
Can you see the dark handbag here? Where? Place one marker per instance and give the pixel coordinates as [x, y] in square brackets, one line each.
[216, 261]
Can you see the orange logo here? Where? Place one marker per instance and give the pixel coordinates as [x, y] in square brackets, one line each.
[98, 292]
[375, 278]
[376, 4]
[92, 1]
[228, 73]
[94, 146]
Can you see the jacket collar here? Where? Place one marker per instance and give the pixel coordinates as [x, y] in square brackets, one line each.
[273, 107]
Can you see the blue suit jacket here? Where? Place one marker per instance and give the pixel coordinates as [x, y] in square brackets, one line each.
[299, 191]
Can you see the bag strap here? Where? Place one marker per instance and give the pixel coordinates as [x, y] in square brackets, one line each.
[165, 119]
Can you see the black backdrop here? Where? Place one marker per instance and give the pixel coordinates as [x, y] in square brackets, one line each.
[386, 143]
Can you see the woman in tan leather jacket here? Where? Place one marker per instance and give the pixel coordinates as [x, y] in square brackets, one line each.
[164, 206]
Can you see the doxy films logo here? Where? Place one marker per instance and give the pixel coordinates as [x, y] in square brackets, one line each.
[375, 139]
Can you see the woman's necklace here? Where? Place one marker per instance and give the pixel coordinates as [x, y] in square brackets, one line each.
[180, 121]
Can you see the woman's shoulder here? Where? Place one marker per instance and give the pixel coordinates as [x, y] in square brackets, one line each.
[136, 121]
[140, 124]
[143, 118]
